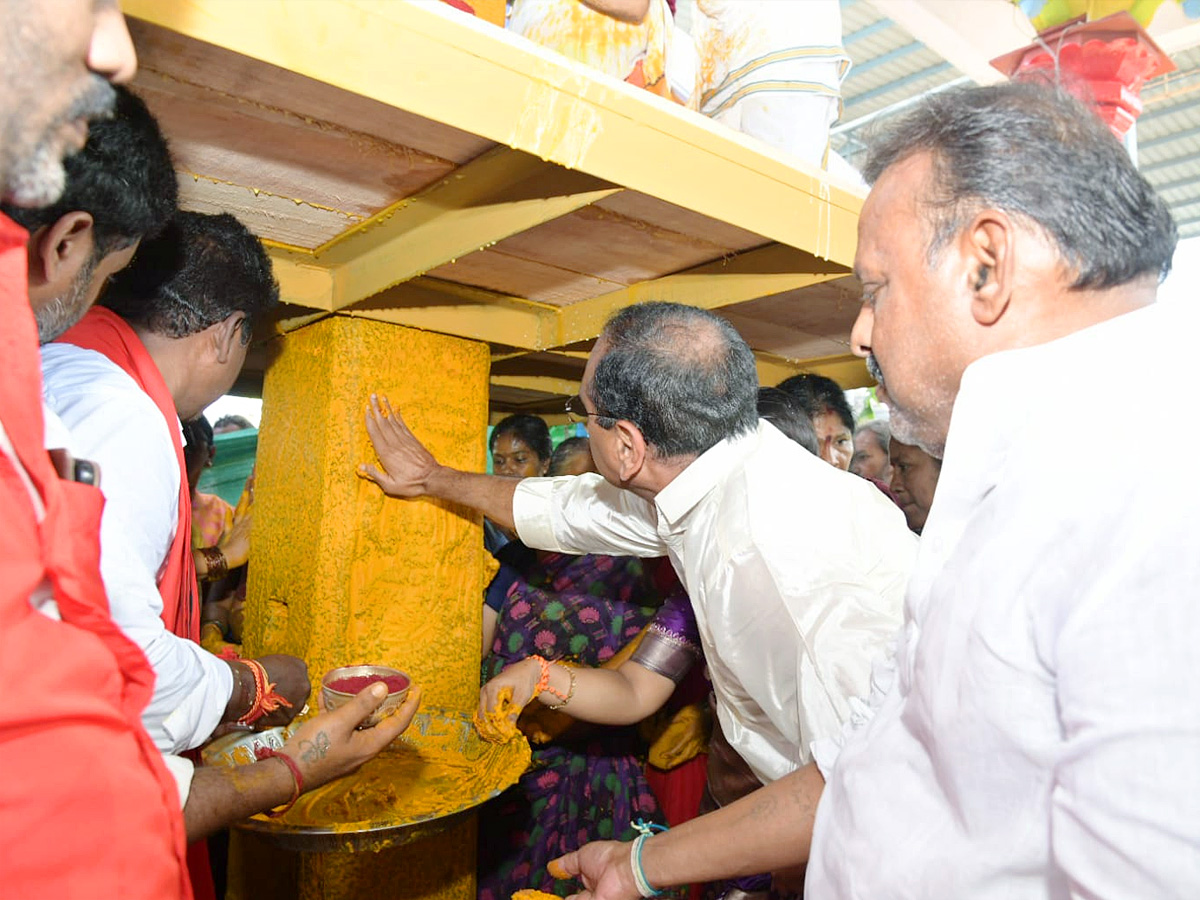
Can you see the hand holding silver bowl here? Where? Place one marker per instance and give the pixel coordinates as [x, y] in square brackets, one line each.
[340, 685]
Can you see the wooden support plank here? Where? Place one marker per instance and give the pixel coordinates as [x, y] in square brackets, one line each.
[846, 369]
[756, 273]
[502, 193]
[471, 76]
[543, 383]
[286, 324]
[773, 369]
[301, 281]
[849, 371]
[453, 309]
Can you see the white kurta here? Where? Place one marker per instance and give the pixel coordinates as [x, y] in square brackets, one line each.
[796, 572]
[1041, 736]
[113, 422]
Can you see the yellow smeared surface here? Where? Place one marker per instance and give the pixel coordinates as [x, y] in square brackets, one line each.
[530, 894]
[342, 574]
[437, 768]
[598, 40]
[498, 725]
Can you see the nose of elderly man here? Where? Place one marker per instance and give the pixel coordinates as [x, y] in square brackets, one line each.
[111, 52]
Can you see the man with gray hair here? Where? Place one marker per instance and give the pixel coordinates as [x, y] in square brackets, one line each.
[794, 568]
[1038, 735]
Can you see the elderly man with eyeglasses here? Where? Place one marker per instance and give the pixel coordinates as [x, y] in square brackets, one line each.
[796, 570]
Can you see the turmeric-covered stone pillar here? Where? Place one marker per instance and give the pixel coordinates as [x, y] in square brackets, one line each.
[341, 574]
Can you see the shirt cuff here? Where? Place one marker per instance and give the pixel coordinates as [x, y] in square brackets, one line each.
[532, 513]
[825, 753]
[192, 722]
[825, 750]
[182, 771]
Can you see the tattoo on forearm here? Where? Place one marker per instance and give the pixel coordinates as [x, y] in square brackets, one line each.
[311, 751]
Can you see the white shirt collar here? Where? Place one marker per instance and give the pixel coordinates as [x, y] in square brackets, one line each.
[701, 475]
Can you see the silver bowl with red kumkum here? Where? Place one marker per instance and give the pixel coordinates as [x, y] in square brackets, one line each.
[342, 684]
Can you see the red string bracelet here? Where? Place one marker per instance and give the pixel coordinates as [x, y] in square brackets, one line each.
[265, 698]
[297, 778]
[543, 682]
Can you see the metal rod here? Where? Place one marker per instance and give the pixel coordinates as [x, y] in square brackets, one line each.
[897, 107]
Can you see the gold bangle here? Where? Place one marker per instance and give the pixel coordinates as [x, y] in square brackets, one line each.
[570, 691]
[218, 565]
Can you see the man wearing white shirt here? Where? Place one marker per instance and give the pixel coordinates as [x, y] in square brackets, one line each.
[1038, 735]
[114, 422]
[795, 569]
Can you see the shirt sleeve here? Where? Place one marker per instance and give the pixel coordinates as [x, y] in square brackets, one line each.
[181, 770]
[191, 686]
[116, 425]
[862, 710]
[580, 514]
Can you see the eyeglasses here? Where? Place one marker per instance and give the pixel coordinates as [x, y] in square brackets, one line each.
[577, 412]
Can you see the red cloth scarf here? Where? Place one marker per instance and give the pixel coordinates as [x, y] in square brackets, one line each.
[89, 809]
[105, 332]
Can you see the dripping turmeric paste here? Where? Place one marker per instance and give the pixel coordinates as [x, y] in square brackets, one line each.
[427, 773]
[499, 724]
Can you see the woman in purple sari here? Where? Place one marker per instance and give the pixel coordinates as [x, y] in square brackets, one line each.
[588, 783]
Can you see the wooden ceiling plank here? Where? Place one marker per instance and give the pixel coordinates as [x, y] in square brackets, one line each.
[169, 54]
[756, 273]
[502, 193]
[470, 313]
[546, 384]
[495, 270]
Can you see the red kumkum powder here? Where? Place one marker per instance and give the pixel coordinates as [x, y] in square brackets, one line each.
[355, 683]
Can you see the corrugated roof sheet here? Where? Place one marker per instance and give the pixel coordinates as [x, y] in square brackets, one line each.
[891, 68]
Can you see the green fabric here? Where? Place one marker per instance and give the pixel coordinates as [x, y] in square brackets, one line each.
[231, 467]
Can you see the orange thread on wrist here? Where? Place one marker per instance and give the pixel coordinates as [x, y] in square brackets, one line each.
[266, 700]
[543, 682]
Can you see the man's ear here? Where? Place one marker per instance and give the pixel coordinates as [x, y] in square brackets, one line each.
[58, 251]
[226, 335]
[631, 450]
[987, 248]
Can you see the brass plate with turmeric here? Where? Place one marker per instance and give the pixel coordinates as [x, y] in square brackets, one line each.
[433, 774]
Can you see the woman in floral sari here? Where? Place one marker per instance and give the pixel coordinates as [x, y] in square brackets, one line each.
[589, 782]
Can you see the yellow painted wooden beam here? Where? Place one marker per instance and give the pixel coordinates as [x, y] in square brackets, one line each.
[550, 418]
[451, 69]
[289, 323]
[441, 306]
[301, 281]
[426, 303]
[773, 369]
[502, 193]
[849, 371]
[756, 273]
[543, 383]
[846, 369]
